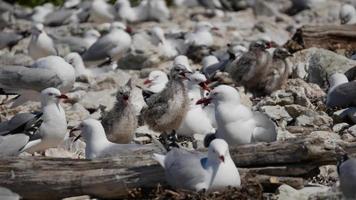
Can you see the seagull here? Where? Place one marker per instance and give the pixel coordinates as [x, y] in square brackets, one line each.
[10, 39]
[78, 44]
[158, 10]
[168, 47]
[347, 175]
[347, 14]
[109, 47]
[50, 71]
[41, 45]
[51, 130]
[156, 81]
[165, 110]
[120, 122]
[132, 14]
[201, 35]
[278, 72]
[196, 121]
[102, 12]
[236, 123]
[81, 73]
[341, 93]
[182, 61]
[196, 171]
[97, 145]
[61, 17]
[186, 3]
[40, 12]
[252, 66]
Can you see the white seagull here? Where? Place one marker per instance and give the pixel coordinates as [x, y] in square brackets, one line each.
[41, 45]
[196, 171]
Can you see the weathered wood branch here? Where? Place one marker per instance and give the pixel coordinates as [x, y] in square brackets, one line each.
[38, 178]
[331, 37]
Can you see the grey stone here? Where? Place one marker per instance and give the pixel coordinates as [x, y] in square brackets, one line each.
[315, 64]
[340, 127]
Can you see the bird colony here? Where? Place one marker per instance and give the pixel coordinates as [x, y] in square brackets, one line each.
[191, 84]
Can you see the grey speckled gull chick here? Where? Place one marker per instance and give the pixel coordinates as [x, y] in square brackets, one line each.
[236, 123]
[196, 171]
[41, 45]
[120, 122]
[166, 110]
[278, 72]
[97, 145]
[342, 93]
[251, 66]
[347, 174]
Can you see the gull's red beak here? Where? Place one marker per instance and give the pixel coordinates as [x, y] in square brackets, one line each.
[125, 97]
[129, 29]
[222, 158]
[204, 101]
[205, 86]
[147, 81]
[62, 96]
[269, 45]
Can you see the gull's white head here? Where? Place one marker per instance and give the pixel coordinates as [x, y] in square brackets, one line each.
[337, 79]
[51, 96]
[222, 94]
[182, 61]
[209, 60]
[156, 78]
[75, 60]
[92, 33]
[197, 78]
[92, 130]
[37, 28]
[204, 26]
[218, 151]
[347, 12]
[157, 33]
[117, 25]
[122, 3]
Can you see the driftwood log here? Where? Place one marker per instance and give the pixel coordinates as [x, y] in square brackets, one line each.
[332, 37]
[43, 178]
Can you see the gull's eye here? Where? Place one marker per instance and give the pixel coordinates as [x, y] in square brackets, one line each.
[50, 94]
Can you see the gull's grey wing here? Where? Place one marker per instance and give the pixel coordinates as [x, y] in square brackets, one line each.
[10, 145]
[75, 44]
[58, 17]
[17, 78]
[265, 130]
[342, 96]
[9, 39]
[15, 122]
[24, 123]
[99, 50]
[184, 169]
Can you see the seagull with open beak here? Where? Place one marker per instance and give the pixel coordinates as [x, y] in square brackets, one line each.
[236, 123]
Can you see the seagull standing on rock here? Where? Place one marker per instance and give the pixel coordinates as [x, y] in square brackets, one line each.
[132, 14]
[41, 45]
[110, 47]
[201, 35]
[120, 122]
[196, 121]
[236, 123]
[101, 12]
[196, 171]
